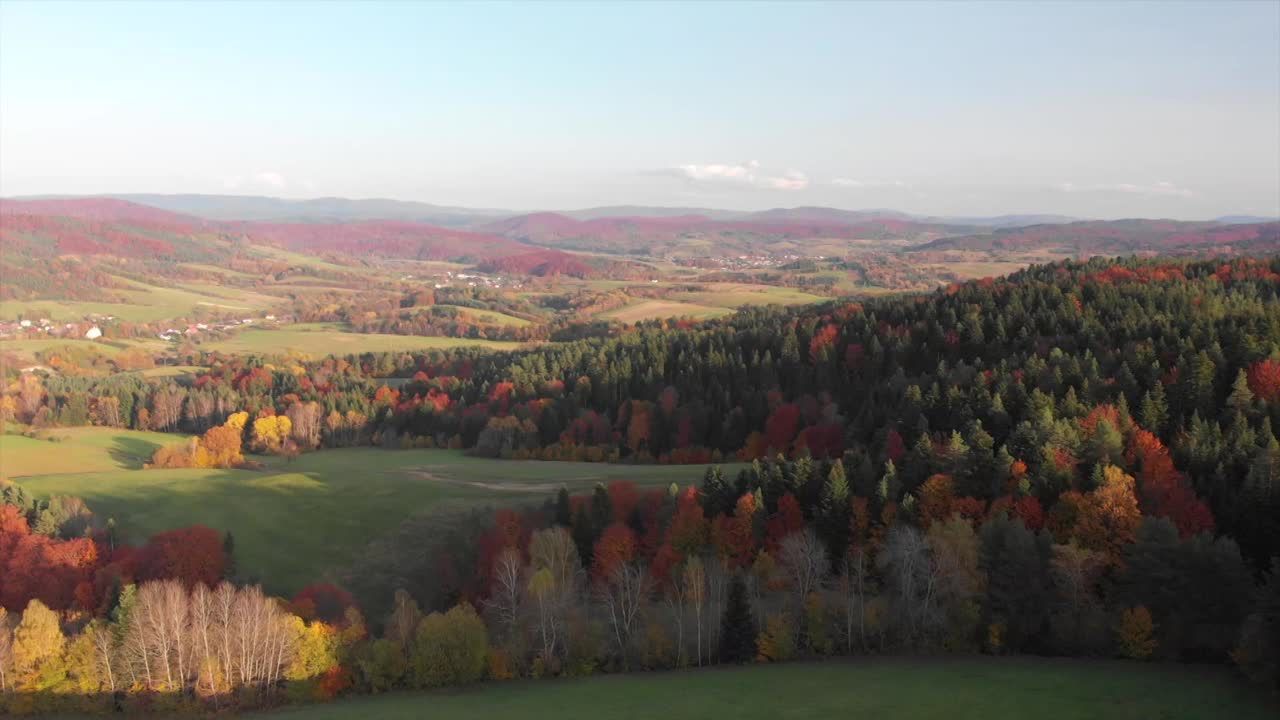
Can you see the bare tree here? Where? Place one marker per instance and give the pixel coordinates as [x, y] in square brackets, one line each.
[622, 594]
[103, 642]
[404, 619]
[1074, 571]
[694, 580]
[166, 408]
[199, 410]
[542, 586]
[717, 576]
[507, 590]
[152, 641]
[223, 604]
[306, 419]
[912, 579]
[207, 641]
[203, 641]
[854, 585]
[676, 596]
[107, 408]
[804, 559]
[553, 551]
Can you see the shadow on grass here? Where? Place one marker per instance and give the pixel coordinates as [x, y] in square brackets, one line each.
[132, 452]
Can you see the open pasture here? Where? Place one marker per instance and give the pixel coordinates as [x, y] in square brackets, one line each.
[660, 309]
[294, 521]
[892, 688]
[320, 339]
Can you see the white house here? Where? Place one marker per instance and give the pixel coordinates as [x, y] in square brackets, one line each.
[93, 333]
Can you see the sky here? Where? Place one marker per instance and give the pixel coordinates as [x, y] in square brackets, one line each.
[1092, 110]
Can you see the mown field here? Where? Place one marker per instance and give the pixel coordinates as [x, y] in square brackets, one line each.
[961, 688]
[148, 303]
[319, 339]
[657, 309]
[293, 521]
[26, 349]
[735, 295]
[489, 316]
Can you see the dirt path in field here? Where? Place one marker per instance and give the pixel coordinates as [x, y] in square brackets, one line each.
[541, 488]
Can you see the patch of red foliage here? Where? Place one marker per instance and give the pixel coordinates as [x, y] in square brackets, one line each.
[540, 263]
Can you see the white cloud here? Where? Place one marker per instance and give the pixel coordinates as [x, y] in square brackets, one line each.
[789, 180]
[1164, 188]
[748, 173]
[851, 183]
[270, 178]
[739, 173]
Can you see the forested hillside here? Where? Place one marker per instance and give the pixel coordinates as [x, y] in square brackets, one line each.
[1021, 369]
[1078, 459]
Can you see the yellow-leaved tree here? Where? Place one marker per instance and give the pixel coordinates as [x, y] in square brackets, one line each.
[269, 433]
[37, 642]
[1136, 634]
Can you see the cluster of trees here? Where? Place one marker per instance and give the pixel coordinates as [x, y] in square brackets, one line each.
[164, 644]
[822, 563]
[786, 561]
[55, 551]
[219, 447]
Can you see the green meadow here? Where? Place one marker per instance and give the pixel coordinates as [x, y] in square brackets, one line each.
[293, 521]
[319, 339]
[959, 688]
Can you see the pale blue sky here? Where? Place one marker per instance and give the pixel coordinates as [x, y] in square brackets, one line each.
[1103, 110]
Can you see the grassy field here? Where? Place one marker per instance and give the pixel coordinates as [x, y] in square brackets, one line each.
[653, 309]
[319, 339]
[78, 450]
[293, 521]
[734, 295]
[489, 316]
[961, 688]
[168, 371]
[26, 349]
[148, 303]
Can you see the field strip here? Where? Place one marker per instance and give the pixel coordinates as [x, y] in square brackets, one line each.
[424, 474]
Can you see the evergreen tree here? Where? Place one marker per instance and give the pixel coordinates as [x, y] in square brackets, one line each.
[738, 626]
[1154, 412]
[584, 538]
[1240, 401]
[229, 552]
[716, 491]
[601, 510]
[564, 509]
[834, 524]
[1016, 564]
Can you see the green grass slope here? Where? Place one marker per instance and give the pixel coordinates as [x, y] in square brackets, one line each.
[961, 688]
[293, 521]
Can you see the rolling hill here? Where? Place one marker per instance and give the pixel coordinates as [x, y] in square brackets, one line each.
[700, 236]
[108, 226]
[1120, 237]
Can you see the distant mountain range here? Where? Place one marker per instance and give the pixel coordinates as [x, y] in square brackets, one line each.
[336, 209]
[333, 209]
[115, 227]
[1121, 237]
[535, 243]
